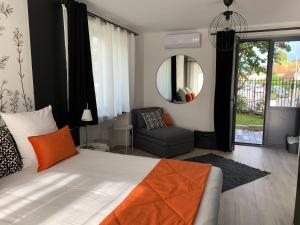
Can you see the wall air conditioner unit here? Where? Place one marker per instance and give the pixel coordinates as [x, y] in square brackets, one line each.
[176, 41]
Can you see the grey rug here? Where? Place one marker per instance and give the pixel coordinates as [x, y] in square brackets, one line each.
[235, 174]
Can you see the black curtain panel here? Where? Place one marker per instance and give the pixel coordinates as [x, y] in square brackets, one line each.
[185, 73]
[174, 78]
[48, 57]
[224, 73]
[81, 82]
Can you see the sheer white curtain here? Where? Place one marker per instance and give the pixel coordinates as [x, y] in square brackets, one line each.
[113, 67]
[195, 77]
[180, 76]
[164, 83]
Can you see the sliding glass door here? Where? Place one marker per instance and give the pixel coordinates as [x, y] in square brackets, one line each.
[251, 91]
[267, 91]
[283, 92]
[285, 74]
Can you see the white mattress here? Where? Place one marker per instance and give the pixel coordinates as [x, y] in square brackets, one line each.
[84, 189]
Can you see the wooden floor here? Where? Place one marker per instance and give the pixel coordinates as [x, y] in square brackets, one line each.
[266, 201]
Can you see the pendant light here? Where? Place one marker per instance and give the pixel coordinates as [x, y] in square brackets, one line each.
[227, 21]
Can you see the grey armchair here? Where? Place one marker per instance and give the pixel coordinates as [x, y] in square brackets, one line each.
[164, 142]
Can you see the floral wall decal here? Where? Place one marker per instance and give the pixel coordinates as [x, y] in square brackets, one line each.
[3, 92]
[19, 44]
[5, 10]
[3, 61]
[16, 85]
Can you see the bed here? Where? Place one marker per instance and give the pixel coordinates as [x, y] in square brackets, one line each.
[84, 189]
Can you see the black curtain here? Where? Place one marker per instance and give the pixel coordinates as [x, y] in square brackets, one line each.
[81, 82]
[174, 78]
[48, 57]
[224, 75]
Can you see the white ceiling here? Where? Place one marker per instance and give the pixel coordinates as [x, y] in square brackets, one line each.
[167, 15]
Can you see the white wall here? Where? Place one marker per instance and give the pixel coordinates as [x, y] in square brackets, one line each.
[15, 26]
[199, 114]
[139, 73]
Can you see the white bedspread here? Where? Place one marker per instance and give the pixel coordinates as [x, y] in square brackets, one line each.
[84, 189]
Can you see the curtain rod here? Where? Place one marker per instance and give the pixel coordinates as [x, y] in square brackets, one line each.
[266, 30]
[104, 20]
[107, 21]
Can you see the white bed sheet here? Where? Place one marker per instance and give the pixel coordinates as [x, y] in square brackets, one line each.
[84, 189]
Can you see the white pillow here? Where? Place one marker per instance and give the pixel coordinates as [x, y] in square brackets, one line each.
[26, 124]
[187, 89]
[182, 94]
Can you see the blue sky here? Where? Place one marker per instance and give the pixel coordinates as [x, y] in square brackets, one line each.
[296, 49]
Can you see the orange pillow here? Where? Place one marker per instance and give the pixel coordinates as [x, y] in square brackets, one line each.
[53, 148]
[167, 119]
[188, 97]
[193, 95]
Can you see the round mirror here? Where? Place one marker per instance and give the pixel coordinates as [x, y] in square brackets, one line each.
[179, 79]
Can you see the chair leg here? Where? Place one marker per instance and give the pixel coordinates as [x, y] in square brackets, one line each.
[126, 142]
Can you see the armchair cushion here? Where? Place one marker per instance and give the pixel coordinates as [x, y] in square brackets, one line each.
[137, 118]
[153, 120]
[168, 135]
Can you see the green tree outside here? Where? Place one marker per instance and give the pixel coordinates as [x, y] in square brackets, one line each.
[253, 58]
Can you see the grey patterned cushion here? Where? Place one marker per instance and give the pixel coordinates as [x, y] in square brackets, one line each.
[10, 160]
[153, 120]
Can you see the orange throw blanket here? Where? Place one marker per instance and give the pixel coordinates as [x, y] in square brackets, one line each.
[169, 195]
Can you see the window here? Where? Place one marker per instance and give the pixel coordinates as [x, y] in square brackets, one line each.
[112, 52]
[285, 88]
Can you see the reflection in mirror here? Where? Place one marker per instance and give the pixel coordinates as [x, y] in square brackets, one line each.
[179, 79]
